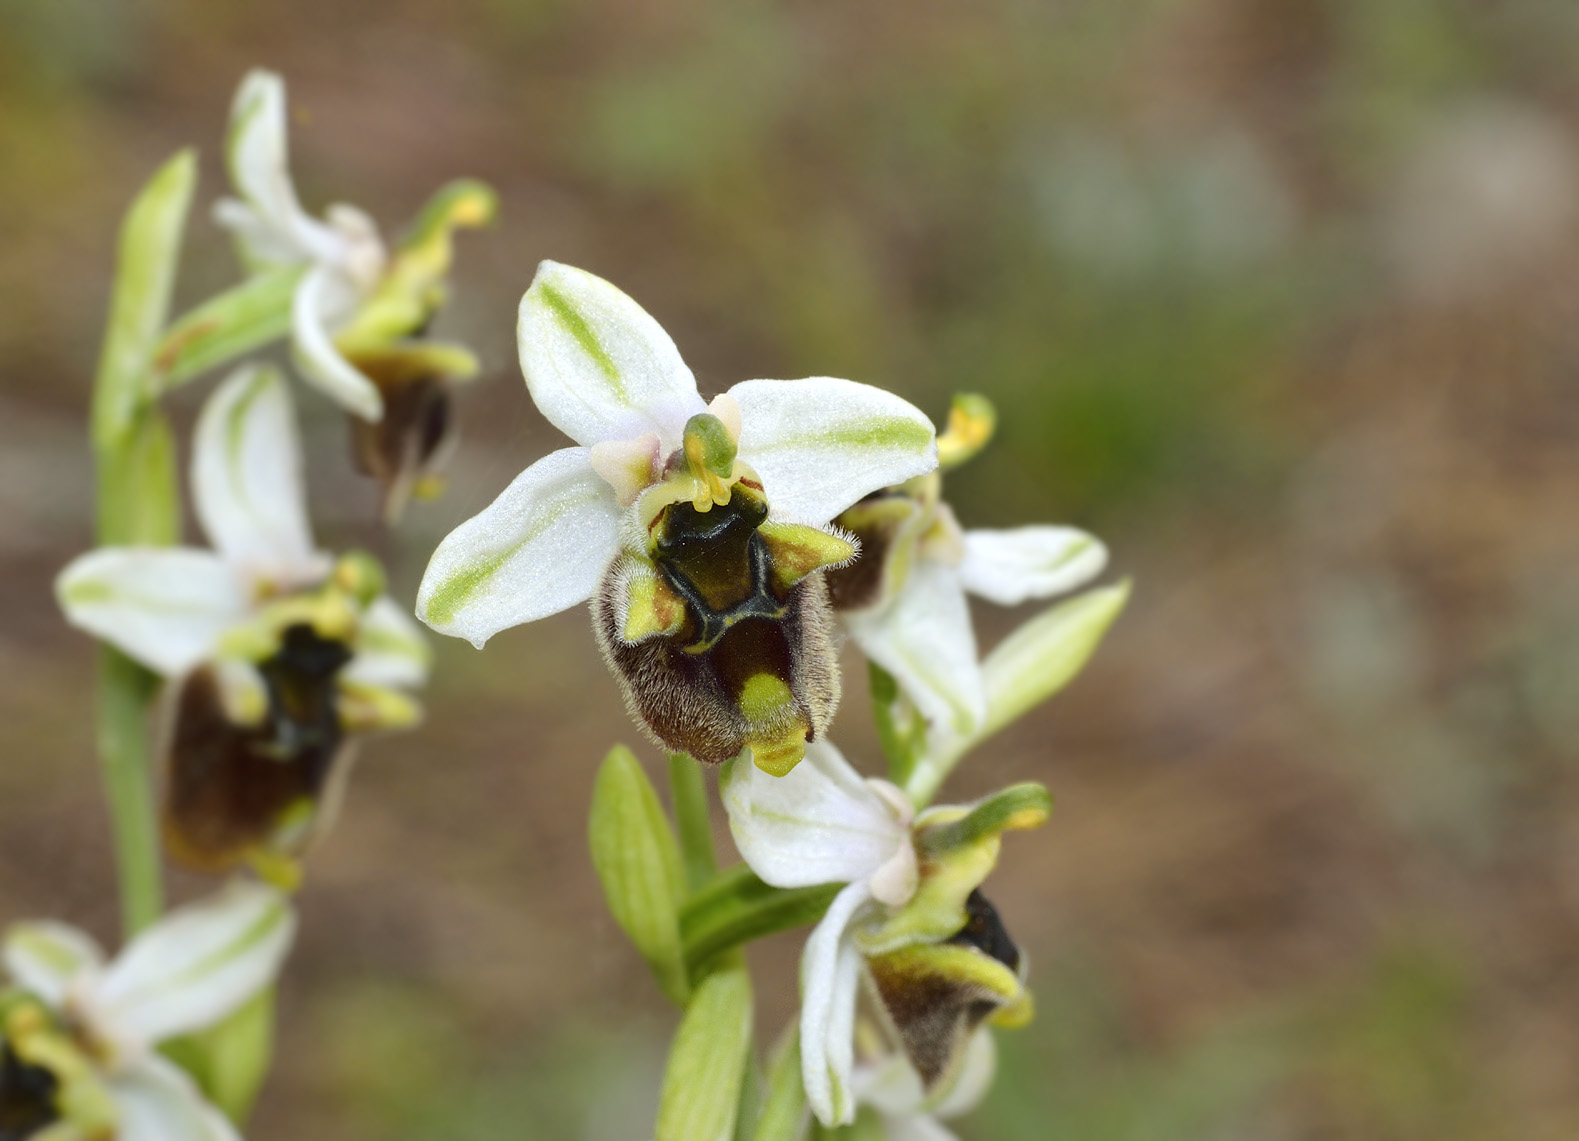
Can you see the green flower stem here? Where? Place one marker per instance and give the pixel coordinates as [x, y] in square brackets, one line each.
[688, 788]
[139, 503]
[126, 691]
[736, 907]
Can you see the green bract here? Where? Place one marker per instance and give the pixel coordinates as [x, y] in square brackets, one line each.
[707, 1061]
[638, 861]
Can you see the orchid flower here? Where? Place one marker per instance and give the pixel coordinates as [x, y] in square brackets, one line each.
[359, 312]
[79, 1037]
[697, 529]
[277, 651]
[890, 1086]
[904, 602]
[910, 919]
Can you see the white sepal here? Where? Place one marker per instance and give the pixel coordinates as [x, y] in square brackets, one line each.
[829, 975]
[596, 363]
[164, 606]
[280, 231]
[537, 549]
[318, 298]
[821, 823]
[821, 443]
[155, 1100]
[925, 640]
[45, 959]
[390, 648]
[1009, 567]
[247, 481]
[195, 966]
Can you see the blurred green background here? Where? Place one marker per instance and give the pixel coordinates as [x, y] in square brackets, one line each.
[1280, 297]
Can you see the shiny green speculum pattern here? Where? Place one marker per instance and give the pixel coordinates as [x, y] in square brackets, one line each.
[719, 564]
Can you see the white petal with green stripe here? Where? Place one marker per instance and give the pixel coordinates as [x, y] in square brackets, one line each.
[390, 648]
[1009, 567]
[279, 230]
[925, 640]
[821, 443]
[196, 965]
[165, 607]
[597, 365]
[536, 550]
[247, 480]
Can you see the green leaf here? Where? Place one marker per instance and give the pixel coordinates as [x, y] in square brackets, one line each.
[228, 326]
[230, 1059]
[784, 1109]
[737, 907]
[139, 496]
[707, 1061]
[638, 861]
[150, 247]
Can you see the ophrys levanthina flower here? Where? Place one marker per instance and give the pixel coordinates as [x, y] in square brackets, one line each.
[79, 1037]
[904, 601]
[911, 919]
[279, 653]
[699, 530]
[360, 312]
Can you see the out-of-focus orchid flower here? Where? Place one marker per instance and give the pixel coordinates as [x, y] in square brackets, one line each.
[79, 1036]
[360, 311]
[278, 652]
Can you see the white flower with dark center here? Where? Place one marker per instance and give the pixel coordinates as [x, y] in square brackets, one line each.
[359, 312]
[910, 919]
[697, 528]
[905, 601]
[279, 651]
[79, 1056]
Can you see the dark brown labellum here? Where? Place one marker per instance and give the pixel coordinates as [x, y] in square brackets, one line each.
[415, 435]
[876, 521]
[752, 662]
[933, 1010]
[27, 1097]
[230, 787]
[984, 931]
